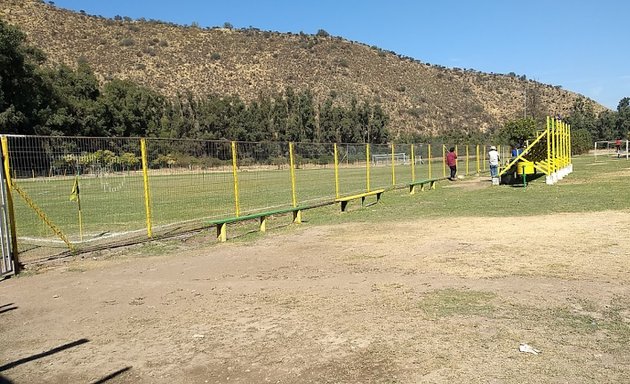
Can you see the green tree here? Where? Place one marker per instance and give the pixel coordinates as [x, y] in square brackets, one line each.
[327, 127]
[378, 125]
[623, 118]
[74, 107]
[606, 125]
[130, 110]
[581, 141]
[23, 93]
[516, 132]
[582, 116]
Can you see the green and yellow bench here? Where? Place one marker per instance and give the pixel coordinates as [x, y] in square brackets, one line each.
[222, 223]
[344, 200]
[422, 183]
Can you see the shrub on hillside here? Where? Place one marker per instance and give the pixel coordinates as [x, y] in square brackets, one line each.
[127, 42]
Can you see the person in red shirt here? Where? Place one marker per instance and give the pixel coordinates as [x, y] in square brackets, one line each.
[451, 161]
[618, 145]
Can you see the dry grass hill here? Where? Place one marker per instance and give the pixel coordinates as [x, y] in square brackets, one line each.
[419, 97]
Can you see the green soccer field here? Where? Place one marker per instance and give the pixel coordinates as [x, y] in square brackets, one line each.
[116, 203]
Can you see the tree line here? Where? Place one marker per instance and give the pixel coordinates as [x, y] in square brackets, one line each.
[608, 125]
[61, 101]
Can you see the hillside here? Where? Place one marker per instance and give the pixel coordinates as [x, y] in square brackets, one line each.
[419, 97]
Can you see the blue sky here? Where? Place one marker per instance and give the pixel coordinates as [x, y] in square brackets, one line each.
[584, 46]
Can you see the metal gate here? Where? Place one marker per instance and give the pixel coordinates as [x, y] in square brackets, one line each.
[7, 264]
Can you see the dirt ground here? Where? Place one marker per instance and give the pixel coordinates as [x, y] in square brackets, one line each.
[428, 301]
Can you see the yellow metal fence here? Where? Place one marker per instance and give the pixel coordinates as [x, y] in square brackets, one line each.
[89, 190]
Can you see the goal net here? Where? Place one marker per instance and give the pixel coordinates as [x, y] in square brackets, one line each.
[386, 158]
[611, 148]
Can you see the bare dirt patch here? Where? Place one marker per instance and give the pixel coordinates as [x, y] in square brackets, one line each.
[470, 183]
[428, 301]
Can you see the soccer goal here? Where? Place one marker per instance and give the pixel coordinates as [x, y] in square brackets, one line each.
[386, 158]
[611, 148]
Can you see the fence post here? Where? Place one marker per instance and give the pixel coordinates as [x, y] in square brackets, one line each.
[443, 160]
[560, 148]
[549, 148]
[9, 185]
[566, 146]
[367, 166]
[393, 167]
[429, 158]
[457, 155]
[571, 148]
[561, 145]
[500, 154]
[147, 194]
[467, 161]
[485, 162]
[553, 147]
[477, 158]
[413, 165]
[336, 171]
[235, 176]
[298, 214]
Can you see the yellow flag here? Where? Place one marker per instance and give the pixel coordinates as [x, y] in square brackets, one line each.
[74, 195]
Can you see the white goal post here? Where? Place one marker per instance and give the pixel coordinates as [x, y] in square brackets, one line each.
[386, 158]
[609, 148]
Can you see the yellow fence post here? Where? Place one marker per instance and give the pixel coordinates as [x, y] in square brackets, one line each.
[548, 146]
[467, 161]
[298, 214]
[429, 158]
[561, 149]
[477, 158]
[560, 144]
[549, 149]
[564, 147]
[9, 186]
[393, 166]
[443, 160]
[553, 147]
[570, 148]
[555, 142]
[569, 145]
[147, 194]
[564, 144]
[336, 171]
[413, 165]
[367, 166]
[235, 176]
[484, 163]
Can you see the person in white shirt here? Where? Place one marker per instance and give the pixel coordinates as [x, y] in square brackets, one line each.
[493, 157]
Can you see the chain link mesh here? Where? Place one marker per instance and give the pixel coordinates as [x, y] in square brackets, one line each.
[190, 182]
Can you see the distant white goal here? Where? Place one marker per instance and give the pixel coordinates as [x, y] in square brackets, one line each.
[611, 148]
[399, 158]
